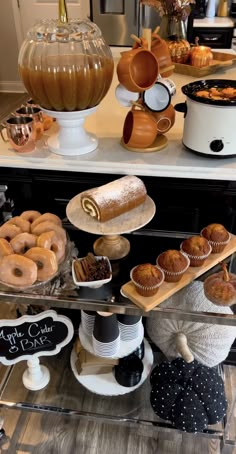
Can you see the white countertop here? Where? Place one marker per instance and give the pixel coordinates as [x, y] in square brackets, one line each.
[110, 157]
[210, 22]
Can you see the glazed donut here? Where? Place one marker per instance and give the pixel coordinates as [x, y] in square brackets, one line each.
[5, 248]
[9, 231]
[18, 270]
[47, 227]
[45, 260]
[22, 242]
[50, 217]
[30, 215]
[19, 222]
[54, 242]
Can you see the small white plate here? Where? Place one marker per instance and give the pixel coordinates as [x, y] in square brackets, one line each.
[91, 284]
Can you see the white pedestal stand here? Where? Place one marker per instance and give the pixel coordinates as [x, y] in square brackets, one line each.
[111, 244]
[72, 139]
[36, 376]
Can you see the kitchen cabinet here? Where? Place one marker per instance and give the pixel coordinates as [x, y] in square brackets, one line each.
[189, 191]
[216, 38]
[216, 32]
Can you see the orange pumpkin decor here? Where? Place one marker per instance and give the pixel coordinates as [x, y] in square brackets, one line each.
[179, 50]
[220, 288]
[201, 56]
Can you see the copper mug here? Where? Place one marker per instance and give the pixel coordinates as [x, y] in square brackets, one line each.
[138, 69]
[140, 128]
[36, 114]
[21, 133]
[47, 120]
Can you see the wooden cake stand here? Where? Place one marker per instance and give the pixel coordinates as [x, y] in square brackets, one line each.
[111, 244]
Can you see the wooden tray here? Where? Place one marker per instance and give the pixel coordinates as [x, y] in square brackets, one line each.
[168, 289]
[220, 60]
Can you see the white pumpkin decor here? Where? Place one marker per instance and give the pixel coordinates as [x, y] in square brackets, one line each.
[207, 343]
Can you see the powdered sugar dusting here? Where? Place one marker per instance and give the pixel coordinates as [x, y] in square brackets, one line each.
[122, 190]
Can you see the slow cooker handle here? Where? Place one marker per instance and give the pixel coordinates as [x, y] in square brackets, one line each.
[181, 107]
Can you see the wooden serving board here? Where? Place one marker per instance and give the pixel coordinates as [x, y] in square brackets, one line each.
[220, 60]
[168, 289]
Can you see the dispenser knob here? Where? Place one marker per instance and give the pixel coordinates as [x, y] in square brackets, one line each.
[216, 145]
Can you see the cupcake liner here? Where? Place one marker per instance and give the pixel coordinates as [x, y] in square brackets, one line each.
[196, 260]
[171, 276]
[217, 246]
[147, 291]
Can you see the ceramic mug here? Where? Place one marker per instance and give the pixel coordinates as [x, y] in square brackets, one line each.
[140, 128]
[160, 49]
[157, 98]
[21, 133]
[137, 69]
[125, 97]
[165, 119]
[36, 114]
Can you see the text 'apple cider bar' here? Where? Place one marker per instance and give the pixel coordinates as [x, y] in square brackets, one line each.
[113, 199]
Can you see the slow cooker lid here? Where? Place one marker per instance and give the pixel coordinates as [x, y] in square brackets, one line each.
[190, 90]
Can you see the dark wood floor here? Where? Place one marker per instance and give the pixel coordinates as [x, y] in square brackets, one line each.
[34, 433]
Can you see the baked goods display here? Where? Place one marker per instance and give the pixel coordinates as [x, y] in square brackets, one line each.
[217, 235]
[32, 246]
[113, 199]
[174, 264]
[197, 248]
[147, 278]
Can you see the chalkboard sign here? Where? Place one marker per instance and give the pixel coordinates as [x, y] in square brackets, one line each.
[33, 336]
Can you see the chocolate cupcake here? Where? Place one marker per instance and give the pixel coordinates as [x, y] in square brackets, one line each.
[174, 264]
[197, 249]
[147, 279]
[217, 235]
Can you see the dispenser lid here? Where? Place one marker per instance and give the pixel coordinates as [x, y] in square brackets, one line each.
[51, 30]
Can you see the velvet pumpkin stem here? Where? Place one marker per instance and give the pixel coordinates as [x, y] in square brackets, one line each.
[225, 272]
[183, 348]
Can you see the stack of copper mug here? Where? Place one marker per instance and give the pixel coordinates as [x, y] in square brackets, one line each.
[25, 127]
[142, 87]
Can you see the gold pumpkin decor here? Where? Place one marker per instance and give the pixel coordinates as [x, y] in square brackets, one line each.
[179, 50]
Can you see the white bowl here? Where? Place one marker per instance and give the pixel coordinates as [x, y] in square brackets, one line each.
[91, 284]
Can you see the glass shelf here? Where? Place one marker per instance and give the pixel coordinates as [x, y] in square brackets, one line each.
[65, 395]
[61, 293]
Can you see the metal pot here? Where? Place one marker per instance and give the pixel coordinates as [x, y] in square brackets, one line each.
[209, 124]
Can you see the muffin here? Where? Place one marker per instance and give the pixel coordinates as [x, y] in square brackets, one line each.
[197, 249]
[174, 264]
[217, 235]
[147, 279]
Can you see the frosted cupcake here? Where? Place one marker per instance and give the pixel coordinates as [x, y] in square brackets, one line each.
[197, 249]
[147, 279]
[174, 264]
[217, 235]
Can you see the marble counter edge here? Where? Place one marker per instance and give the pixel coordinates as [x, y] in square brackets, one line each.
[137, 168]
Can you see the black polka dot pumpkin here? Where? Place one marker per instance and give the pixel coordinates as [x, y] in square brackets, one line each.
[191, 396]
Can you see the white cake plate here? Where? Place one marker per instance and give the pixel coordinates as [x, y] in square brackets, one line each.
[71, 139]
[112, 244]
[106, 384]
[126, 348]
